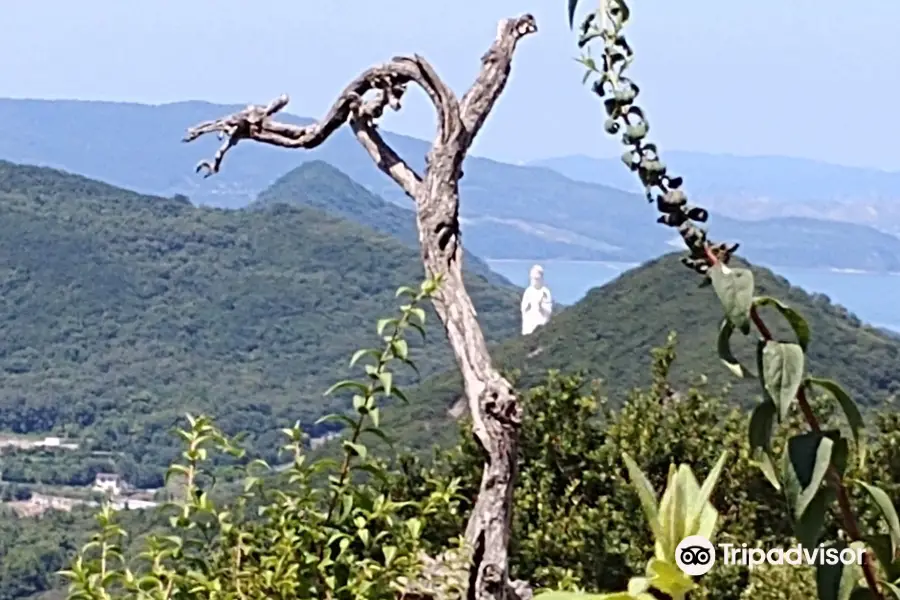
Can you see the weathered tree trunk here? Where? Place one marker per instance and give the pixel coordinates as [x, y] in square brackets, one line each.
[493, 404]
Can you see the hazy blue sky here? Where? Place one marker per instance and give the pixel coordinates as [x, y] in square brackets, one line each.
[811, 78]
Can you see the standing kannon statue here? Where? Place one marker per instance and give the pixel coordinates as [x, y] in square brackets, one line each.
[537, 303]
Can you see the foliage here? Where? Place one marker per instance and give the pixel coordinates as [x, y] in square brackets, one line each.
[123, 311]
[57, 467]
[574, 525]
[342, 540]
[606, 333]
[813, 463]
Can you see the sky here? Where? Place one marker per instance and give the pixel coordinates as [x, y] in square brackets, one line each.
[808, 78]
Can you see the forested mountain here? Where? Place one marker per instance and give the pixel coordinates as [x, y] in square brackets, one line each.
[609, 335]
[319, 185]
[508, 211]
[120, 312]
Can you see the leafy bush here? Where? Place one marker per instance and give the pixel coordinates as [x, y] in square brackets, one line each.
[574, 525]
[346, 539]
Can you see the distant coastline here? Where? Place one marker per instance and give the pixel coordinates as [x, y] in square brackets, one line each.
[871, 295]
[631, 265]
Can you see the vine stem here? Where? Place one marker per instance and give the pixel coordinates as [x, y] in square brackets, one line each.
[357, 429]
[847, 515]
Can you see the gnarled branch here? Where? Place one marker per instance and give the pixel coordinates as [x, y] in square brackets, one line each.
[493, 404]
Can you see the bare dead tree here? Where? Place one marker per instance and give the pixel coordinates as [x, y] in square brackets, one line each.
[493, 403]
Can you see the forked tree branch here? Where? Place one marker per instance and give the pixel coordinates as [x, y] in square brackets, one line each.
[493, 404]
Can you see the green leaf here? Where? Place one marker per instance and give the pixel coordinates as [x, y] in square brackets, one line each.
[357, 449]
[883, 547]
[418, 328]
[734, 287]
[699, 502]
[400, 349]
[764, 461]
[363, 352]
[414, 526]
[346, 509]
[893, 589]
[851, 413]
[782, 374]
[399, 394]
[837, 582]
[418, 313]
[380, 434]
[669, 579]
[886, 507]
[645, 492]
[796, 320]
[806, 461]
[383, 323]
[762, 423]
[336, 417]
[840, 452]
[387, 381]
[726, 329]
[371, 470]
[347, 383]
[808, 529]
[573, 4]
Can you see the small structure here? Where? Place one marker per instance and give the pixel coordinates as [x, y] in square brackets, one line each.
[108, 483]
[537, 303]
[24, 443]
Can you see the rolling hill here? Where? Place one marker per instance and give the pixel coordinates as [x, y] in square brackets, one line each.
[319, 185]
[121, 312]
[508, 211]
[609, 335]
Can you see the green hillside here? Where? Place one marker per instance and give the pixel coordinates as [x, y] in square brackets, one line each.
[319, 185]
[508, 211]
[121, 312]
[609, 335]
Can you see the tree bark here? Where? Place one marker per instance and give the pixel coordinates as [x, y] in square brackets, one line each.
[493, 403]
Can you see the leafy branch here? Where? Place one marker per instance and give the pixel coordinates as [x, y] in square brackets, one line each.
[348, 540]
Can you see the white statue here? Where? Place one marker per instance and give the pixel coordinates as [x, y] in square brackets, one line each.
[537, 304]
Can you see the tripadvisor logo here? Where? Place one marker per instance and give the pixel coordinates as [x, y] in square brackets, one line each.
[695, 555]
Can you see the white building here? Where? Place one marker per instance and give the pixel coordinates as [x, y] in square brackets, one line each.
[109, 483]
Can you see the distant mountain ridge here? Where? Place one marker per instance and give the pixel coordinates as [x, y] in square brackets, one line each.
[762, 186]
[507, 211]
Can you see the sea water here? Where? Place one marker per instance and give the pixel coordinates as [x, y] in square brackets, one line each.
[873, 297]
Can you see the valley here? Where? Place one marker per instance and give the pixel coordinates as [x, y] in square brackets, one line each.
[123, 311]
